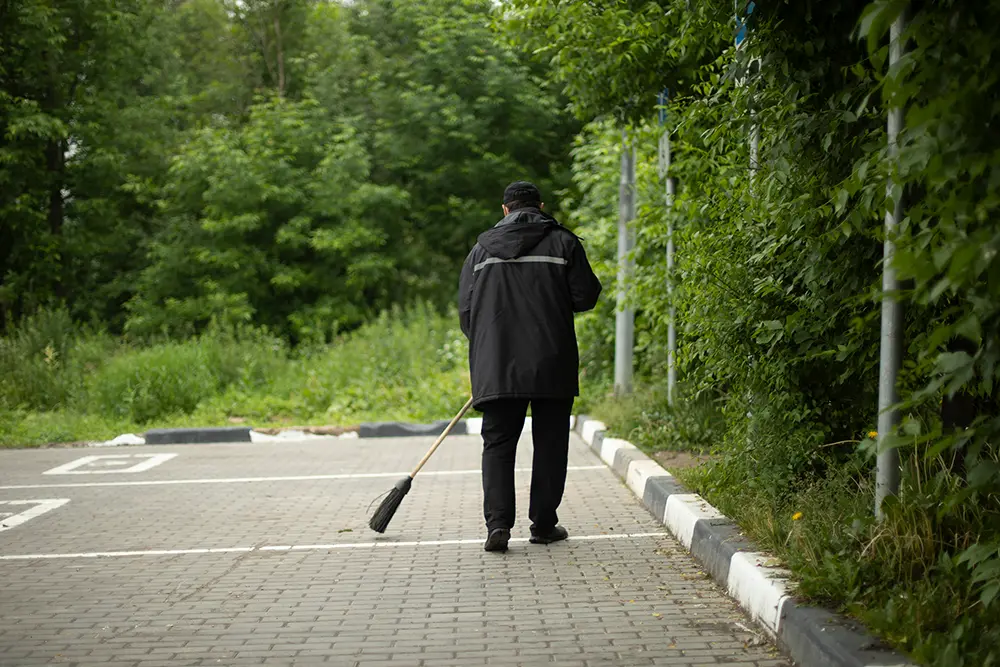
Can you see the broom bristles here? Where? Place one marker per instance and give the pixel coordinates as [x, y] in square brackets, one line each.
[387, 508]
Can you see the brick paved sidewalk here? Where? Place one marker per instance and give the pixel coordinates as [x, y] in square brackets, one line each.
[297, 578]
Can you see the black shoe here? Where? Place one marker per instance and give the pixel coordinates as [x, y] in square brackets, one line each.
[498, 539]
[554, 534]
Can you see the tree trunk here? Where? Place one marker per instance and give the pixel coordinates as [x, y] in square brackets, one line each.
[281, 56]
[55, 160]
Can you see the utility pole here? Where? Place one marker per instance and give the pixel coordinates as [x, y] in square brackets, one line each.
[887, 472]
[625, 316]
[669, 201]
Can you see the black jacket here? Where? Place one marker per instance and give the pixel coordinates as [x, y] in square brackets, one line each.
[519, 288]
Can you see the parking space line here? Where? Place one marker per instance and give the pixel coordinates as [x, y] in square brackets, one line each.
[287, 478]
[37, 507]
[308, 547]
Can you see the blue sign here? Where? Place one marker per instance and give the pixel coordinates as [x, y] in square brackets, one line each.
[661, 104]
[741, 24]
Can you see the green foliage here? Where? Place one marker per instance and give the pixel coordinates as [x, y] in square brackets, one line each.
[453, 115]
[778, 278]
[24, 428]
[175, 377]
[65, 147]
[406, 364]
[403, 365]
[46, 359]
[949, 161]
[298, 163]
[613, 56]
[693, 424]
[905, 577]
[273, 222]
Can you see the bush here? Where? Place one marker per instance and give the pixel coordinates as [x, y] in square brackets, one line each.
[143, 385]
[45, 359]
[174, 377]
[407, 364]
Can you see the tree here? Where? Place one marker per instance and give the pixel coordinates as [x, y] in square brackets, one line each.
[453, 116]
[71, 70]
[148, 102]
[273, 222]
[614, 57]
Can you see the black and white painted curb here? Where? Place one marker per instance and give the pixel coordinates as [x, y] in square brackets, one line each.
[811, 636]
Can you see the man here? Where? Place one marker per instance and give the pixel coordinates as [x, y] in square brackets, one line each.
[519, 288]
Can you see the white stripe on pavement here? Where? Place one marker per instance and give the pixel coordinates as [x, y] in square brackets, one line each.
[289, 478]
[38, 506]
[307, 547]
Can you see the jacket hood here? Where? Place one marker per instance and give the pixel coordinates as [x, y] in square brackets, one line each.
[518, 233]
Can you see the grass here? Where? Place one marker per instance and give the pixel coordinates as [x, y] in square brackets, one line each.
[645, 419]
[62, 383]
[903, 577]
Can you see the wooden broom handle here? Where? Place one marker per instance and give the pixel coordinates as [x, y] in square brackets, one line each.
[444, 434]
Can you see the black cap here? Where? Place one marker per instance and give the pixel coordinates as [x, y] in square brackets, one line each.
[522, 191]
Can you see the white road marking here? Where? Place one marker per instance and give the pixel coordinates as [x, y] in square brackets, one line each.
[288, 478]
[308, 547]
[100, 464]
[40, 506]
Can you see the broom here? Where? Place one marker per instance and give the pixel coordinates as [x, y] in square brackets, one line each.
[383, 515]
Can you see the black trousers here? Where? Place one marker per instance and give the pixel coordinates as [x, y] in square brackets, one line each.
[503, 421]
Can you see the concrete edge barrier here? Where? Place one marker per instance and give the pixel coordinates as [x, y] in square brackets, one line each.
[468, 426]
[402, 430]
[188, 436]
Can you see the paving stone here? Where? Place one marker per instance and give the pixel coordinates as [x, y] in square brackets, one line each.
[627, 601]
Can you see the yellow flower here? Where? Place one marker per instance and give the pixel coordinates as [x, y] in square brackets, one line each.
[796, 516]
[872, 434]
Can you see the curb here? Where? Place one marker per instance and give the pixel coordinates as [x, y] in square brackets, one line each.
[399, 429]
[467, 426]
[811, 636]
[187, 436]
[392, 429]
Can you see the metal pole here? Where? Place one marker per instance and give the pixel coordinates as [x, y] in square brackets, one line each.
[742, 34]
[625, 317]
[672, 311]
[887, 476]
[754, 132]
